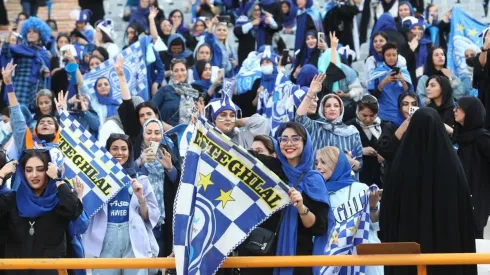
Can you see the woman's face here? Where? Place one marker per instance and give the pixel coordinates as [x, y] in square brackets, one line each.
[103, 87]
[98, 35]
[403, 11]
[331, 109]
[469, 53]
[435, 13]
[145, 114]
[152, 133]
[35, 174]
[301, 4]
[120, 151]
[204, 53]
[418, 31]
[176, 18]
[199, 27]
[291, 145]
[391, 57]
[433, 89]
[222, 32]
[179, 72]
[438, 57]
[62, 41]
[459, 115]
[32, 36]
[44, 104]
[93, 63]
[259, 148]
[46, 126]
[284, 8]
[378, 42]
[206, 74]
[166, 27]
[406, 103]
[311, 41]
[324, 167]
[144, 4]
[131, 33]
[313, 106]
[367, 116]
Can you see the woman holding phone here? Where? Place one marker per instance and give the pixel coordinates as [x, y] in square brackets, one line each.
[388, 82]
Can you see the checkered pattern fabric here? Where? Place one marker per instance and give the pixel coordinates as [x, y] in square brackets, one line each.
[85, 158]
[215, 210]
[134, 70]
[23, 88]
[349, 231]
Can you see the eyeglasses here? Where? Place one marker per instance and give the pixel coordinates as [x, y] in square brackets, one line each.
[119, 136]
[293, 139]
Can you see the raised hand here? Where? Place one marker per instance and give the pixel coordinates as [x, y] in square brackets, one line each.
[316, 83]
[166, 160]
[334, 41]
[8, 169]
[61, 102]
[79, 187]
[137, 189]
[153, 13]
[119, 65]
[7, 72]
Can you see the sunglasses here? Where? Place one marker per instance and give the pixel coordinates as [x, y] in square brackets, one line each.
[369, 99]
[36, 150]
[119, 136]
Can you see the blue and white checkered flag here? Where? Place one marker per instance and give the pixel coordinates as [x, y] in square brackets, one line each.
[223, 195]
[134, 70]
[351, 229]
[85, 158]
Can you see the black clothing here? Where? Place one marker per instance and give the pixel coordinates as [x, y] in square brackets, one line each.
[388, 145]
[3, 14]
[474, 153]
[445, 110]
[97, 8]
[244, 101]
[481, 81]
[411, 58]
[340, 21]
[49, 239]
[365, 18]
[247, 42]
[370, 172]
[426, 197]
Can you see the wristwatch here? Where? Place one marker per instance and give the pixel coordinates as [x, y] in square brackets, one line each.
[306, 212]
[483, 49]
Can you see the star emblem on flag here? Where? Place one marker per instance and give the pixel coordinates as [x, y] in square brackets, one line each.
[472, 32]
[334, 239]
[224, 197]
[355, 227]
[460, 28]
[205, 181]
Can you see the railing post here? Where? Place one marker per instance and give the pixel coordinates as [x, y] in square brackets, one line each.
[62, 272]
[421, 270]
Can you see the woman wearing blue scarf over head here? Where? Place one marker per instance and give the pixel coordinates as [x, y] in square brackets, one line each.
[202, 75]
[342, 187]
[224, 55]
[405, 10]
[176, 50]
[37, 214]
[386, 24]
[308, 214]
[176, 18]
[307, 19]
[103, 103]
[310, 51]
[387, 82]
[419, 46]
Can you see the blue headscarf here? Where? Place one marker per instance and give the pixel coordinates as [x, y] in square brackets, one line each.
[140, 16]
[197, 72]
[372, 51]
[410, 7]
[129, 167]
[181, 28]
[341, 176]
[306, 75]
[174, 38]
[259, 31]
[421, 55]
[308, 51]
[302, 22]
[111, 103]
[313, 185]
[32, 206]
[290, 18]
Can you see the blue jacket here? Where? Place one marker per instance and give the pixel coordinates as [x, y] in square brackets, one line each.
[155, 70]
[168, 103]
[89, 120]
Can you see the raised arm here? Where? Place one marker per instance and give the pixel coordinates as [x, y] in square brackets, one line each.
[153, 27]
[315, 87]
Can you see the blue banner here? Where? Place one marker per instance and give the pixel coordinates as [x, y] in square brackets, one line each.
[464, 32]
[88, 160]
[248, 73]
[223, 195]
[134, 70]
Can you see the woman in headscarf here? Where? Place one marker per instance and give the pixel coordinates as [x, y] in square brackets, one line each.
[342, 188]
[199, 29]
[440, 94]
[224, 55]
[84, 114]
[308, 19]
[426, 197]
[205, 53]
[311, 50]
[202, 80]
[61, 40]
[387, 82]
[176, 100]
[103, 102]
[289, 13]
[376, 58]
[386, 24]
[436, 65]
[112, 233]
[387, 6]
[45, 104]
[405, 10]
[474, 152]
[370, 128]
[481, 75]
[309, 216]
[165, 30]
[329, 130]
[104, 37]
[37, 214]
[253, 31]
[419, 46]
[176, 50]
[164, 177]
[176, 18]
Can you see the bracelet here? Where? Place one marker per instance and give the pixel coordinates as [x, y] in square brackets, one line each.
[309, 96]
[9, 88]
[142, 202]
[306, 211]
[373, 209]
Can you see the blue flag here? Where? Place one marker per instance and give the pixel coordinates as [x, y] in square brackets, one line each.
[464, 33]
[85, 158]
[248, 73]
[134, 70]
[223, 195]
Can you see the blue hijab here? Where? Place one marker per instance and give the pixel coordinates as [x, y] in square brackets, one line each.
[31, 206]
[341, 176]
[306, 75]
[410, 7]
[372, 51]
[177, 38]
[197, 72]
[181, 28]
[289, 19]
[302, 22]
[268, 81]
[384, 23]
[312, 185]
[111, 103]
[422, 53]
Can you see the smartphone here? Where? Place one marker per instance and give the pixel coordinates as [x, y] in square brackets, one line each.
[154, 147]
[321, 36]
[224, 18]
[395, 70]
[412, 110]
[285, 57]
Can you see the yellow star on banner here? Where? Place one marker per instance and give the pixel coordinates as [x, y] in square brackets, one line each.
[355, 227]
[205, 181]
[472, 32]
[224, 197]
[460, 28]
[334, 239]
